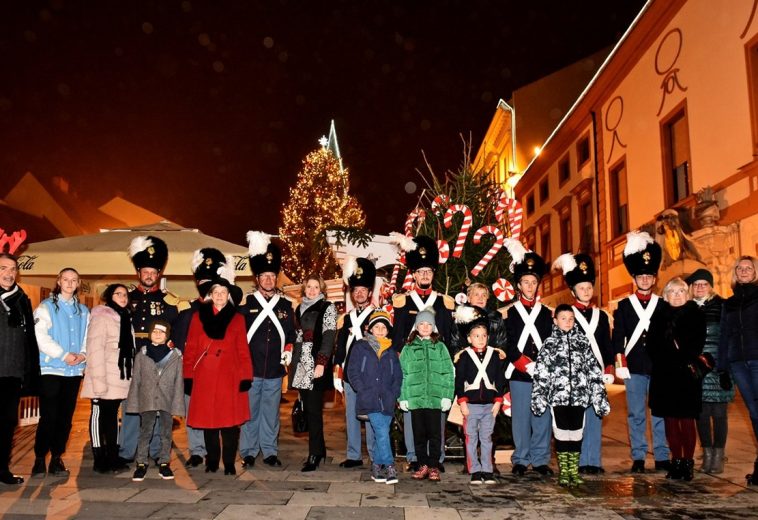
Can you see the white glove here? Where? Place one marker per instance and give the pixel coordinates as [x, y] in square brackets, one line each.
[530, 368]
[338, 385]
[445, 404]
[608, 378]
[404, 406]
[623, 373]
[286, 358]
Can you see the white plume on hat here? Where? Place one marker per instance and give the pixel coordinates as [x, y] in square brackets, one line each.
[403, 242]
[566, 263]
[516, 249]
[349, 267]
[197, 259]
[258, 242]
[226, 270]
[637, 241]
[138, 245]
[465, 314]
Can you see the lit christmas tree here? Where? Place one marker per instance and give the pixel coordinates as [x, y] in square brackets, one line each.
[318, 201]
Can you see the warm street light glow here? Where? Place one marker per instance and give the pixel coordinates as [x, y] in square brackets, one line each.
[537, 150]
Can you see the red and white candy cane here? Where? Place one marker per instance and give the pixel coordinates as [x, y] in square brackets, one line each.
[439, 202]
[468, 219]
[408, 282]
[496, 246]
[503, 290]
[515, 214]
[444, 248]
[415, 218]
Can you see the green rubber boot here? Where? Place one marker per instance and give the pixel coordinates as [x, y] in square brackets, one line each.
[573, 465]
[564, 478]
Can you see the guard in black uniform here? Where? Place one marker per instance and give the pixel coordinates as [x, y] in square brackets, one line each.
[579, 274]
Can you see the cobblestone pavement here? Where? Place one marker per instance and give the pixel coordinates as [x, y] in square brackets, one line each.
[333, 493]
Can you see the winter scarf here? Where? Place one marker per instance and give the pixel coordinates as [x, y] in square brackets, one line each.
[307, 302]
[157, 352]
[125, 340]
[215, 323]
[10, 300]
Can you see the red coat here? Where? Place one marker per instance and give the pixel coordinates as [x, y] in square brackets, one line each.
[216, 400]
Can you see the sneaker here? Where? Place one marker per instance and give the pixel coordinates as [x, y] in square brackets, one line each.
[165, 472]
[377, 473]
[421, 473]
[412, 467]
[390, 472]
[476, 478]
[489, 478]
[139, 473]
[434, 474]
[194, 461]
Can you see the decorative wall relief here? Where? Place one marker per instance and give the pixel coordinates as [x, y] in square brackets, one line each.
[750, 19]
[613, 115]
[666, 57]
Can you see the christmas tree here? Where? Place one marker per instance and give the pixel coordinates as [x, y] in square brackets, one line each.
[477, 199]
[318, 201]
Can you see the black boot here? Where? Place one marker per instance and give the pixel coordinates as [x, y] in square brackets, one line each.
[115, 463]
[312, 463]
[752, 478]
[688, 469]
[39, 470]
[56, 466]
[675, 469]
[101, 461]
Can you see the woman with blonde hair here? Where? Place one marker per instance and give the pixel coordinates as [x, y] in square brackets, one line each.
[678, 368]
[738, 347]
[316, 322]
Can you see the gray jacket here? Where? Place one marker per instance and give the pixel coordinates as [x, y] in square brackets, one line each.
[154, 389]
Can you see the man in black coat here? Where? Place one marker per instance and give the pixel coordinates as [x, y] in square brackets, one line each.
[270, 322]
[477, 295]
[19, 358]
[631, 320]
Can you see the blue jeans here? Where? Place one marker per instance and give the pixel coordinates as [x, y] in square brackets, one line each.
[261, 432]
[128, 435]
[195, 437]
[478, 427]
[636, 405]
[353, 427]
[531, 434]
[745, 375]
[382, 449]
[592, 443]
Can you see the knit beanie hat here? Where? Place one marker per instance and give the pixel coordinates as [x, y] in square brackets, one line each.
[426, 315]
[380, 316]
[161, 325]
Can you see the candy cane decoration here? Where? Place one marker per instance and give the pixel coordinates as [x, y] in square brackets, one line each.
[408, 282]
[496, 246]
[439, 202]
[503, 290]
[468, 219]
[414, 216]
[444, 248]
[515, 213]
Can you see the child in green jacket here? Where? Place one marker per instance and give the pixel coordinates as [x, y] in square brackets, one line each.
[427, 391]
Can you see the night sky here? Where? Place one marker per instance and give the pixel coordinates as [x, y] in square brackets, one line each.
[203, 111]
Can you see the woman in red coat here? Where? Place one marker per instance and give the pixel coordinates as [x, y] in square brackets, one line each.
[218, 373]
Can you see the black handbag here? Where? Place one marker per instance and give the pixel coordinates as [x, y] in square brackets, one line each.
[299, 419]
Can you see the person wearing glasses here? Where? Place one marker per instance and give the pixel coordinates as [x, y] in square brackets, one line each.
[738, 346]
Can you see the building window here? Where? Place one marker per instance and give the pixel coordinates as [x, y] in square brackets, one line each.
[545, 242]
[676, 157]
[586, 242]
[530, 204]
[544, 191]
[565, 226]
[530, 239]
[619, 201]
[564, 171]
[751, 51]
[582, 151]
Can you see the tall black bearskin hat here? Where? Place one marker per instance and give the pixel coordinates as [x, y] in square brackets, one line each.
[576, 268]
[641, 254]
[265, 256]
[359, 272]
[210, 267]
[420, 251]
[524, 262]
[467, 317]
[148, 251]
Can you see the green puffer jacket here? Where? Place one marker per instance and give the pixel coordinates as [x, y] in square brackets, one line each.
[428, 374]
